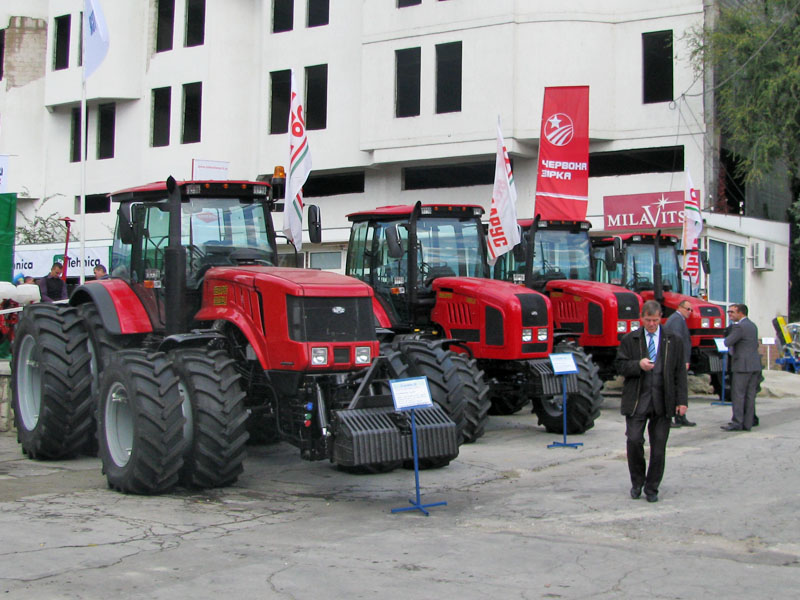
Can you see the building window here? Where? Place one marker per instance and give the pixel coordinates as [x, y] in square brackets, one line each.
[61, 43]
[282, 15]
[97, 203]
[195, 22]
[448, 77]
[279, 101]
[448, 176]
[106, 124]
[657, 66]
[325, 260]
[192, 112]
[166, 22]
[162, 100]
[318, 13]
[316, 97]
[404, 3]
[407, 68]
[668, 159]
[75, 136]
[335, 184]
[726, 281]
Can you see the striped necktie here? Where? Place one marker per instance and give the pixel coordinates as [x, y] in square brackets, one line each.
[651, 347]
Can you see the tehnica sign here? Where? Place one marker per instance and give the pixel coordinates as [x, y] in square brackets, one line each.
[643, 211]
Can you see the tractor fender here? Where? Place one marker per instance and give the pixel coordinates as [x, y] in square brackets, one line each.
[120, 309]
[195, 339]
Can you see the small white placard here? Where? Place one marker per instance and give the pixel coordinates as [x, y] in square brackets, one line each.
[720, 342]
[768, 341]
[563, 364]
[410, 393]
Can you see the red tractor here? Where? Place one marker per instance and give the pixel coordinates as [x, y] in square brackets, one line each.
[427, 265]
[198, 337]
[555, 258]
[647, 263]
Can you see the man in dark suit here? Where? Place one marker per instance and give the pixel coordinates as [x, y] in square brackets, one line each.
[655, 388]
[742, 343]
[676, 324]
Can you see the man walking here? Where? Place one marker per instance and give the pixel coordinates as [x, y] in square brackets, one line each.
[651, 361]
[742, 343]
[676, 324]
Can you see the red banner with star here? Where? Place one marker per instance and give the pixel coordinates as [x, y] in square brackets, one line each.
[562, 182]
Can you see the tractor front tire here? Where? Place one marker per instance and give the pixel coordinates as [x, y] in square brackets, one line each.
[215, 432]
[583, 406]
[140, 423]
[50, 381]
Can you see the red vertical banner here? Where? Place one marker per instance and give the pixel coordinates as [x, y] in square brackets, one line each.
[562, 182]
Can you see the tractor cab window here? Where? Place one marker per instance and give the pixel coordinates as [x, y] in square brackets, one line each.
[639, 267]
[561, 255]
[448, 248]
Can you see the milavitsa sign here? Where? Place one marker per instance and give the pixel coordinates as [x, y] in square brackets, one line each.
[643, 211]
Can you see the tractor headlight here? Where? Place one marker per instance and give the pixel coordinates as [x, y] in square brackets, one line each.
[362, 355]
[527, 335]
[622, 326]
[319, 356]
[718, 323]
[541, 335]
[635, 325]
[705, 323]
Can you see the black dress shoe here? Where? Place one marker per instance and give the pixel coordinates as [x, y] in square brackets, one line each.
[652, 497]
[636, 492]
[755, 420]
[675, 423]
[684, 421]
[730, 427]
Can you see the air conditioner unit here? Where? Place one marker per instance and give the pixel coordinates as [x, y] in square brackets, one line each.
[763, 256]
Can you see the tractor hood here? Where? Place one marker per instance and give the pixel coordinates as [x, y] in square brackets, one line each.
[290, 281]
[589, 290]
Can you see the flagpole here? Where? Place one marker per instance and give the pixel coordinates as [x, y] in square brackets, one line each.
[83, 150]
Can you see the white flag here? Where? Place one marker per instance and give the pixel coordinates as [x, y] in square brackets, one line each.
[299, 168]
[503, 231]
[692, 218]
[95, 37]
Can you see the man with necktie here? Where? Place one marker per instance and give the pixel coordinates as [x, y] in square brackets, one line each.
[742, 343]
[652, 362]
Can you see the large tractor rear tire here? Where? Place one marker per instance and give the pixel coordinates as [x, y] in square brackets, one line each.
[140, 423]
[102, 345]
[215, 431]
[583, 406]
[455, 382]
[50, 380]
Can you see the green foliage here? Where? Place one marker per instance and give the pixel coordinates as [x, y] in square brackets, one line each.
[753, 50]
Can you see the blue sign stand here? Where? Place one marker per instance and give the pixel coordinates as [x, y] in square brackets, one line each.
[409, 394]
[724, 351]
[564, 364]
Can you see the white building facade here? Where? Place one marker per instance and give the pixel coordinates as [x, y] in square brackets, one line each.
[401, 96]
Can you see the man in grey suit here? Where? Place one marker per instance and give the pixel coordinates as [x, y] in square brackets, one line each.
[742, 343]
[676, 323]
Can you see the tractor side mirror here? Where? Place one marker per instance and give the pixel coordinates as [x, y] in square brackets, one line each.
[617, 250]
[124, 224]
[314, 224]
[393, 242]
[611, 258]
[704, 262]
[520, 250]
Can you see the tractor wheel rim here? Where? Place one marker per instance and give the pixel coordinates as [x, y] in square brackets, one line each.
[29, 383]
[119, 420]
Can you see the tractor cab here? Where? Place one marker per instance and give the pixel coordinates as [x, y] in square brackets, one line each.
[635, 264]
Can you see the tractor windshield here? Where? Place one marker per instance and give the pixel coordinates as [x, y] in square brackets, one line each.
[448, 247]
[557, 254]
[213, 229]
[638, 269]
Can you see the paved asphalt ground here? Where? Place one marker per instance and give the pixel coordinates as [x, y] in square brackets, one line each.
[521, 521]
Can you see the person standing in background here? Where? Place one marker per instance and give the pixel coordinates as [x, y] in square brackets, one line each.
[742, 343]
[677, 325]
[52, 287]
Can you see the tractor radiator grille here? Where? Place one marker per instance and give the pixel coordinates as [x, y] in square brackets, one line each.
[330, 319]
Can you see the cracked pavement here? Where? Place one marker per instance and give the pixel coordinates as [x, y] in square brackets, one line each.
[521, 521]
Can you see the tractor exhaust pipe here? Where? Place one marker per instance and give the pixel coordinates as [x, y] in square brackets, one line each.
[174, 263]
